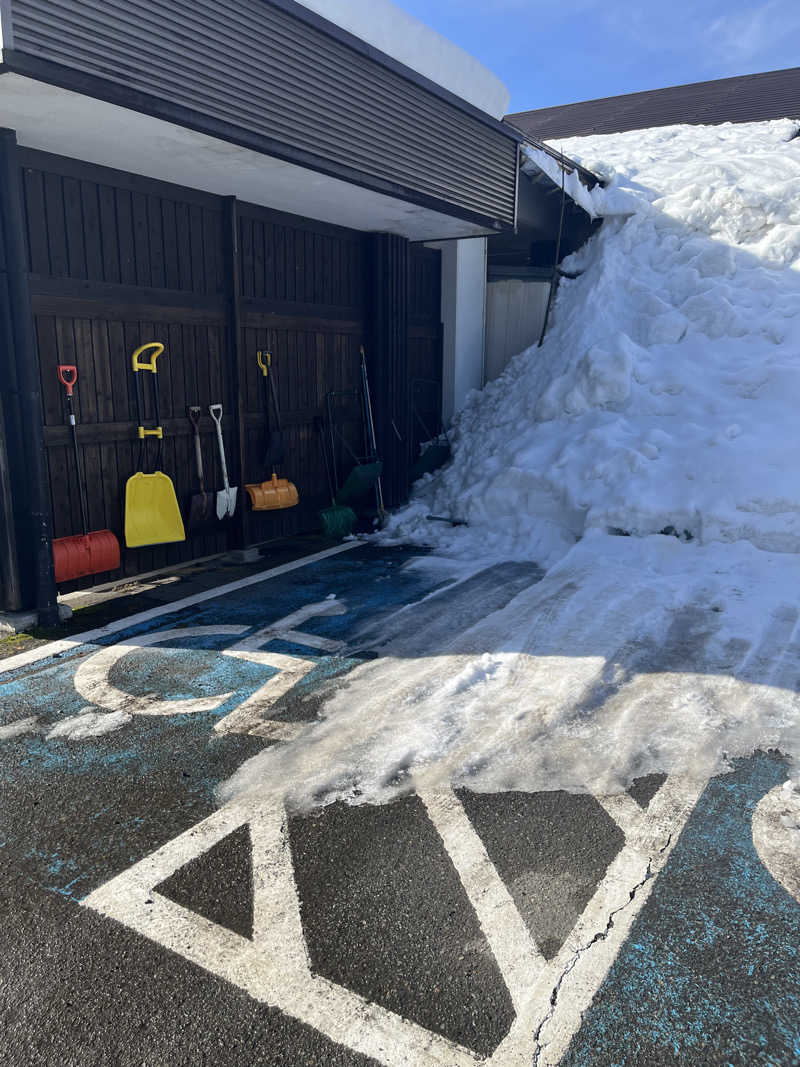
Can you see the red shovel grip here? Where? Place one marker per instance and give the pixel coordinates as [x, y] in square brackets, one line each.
[68, 376]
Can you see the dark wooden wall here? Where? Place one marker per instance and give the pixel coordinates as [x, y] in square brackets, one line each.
[302, 299]
[117, 260]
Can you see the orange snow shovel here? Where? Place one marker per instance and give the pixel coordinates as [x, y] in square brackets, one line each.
[152, 515]
[274, 493]
[87, 553]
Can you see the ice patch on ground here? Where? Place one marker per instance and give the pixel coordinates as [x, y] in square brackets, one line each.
[665, 394]
[776, 835]
[89, 723]
[631, 657]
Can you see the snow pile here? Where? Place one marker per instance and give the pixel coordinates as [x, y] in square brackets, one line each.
[666, 394]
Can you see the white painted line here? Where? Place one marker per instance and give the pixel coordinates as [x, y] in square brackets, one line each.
[625, 812]
[277, 730]
[251, 713]
[583, 962]
[68, 644]
[516, 954]
[250, 716]
[92, 678]
[274, 967]
[324, 644]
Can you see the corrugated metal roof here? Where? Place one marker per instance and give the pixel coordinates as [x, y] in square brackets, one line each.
[749, 98]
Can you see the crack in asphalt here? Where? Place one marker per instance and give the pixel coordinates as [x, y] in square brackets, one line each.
[580, 952]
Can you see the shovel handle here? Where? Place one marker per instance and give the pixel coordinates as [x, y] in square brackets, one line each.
[68, 376]
[149, 364]
[194, 419]
[264, 365]
[215, 411]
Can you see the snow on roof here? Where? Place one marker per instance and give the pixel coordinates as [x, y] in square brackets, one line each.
[403, 37]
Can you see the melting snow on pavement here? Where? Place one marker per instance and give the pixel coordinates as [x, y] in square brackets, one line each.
[665, 398]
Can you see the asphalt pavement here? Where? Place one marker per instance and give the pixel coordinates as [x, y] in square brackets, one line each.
[145, 922]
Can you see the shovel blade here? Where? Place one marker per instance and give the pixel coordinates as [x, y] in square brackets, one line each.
[222, 504]
[273, 495]
[226, 502]
[202, 511]
[152, 515]
[84, 554]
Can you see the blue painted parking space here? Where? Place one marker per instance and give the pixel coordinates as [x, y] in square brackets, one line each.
[445, 928]
[710, 973]
[80, 808]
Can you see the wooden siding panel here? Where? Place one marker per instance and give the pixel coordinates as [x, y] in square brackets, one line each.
[149, 266]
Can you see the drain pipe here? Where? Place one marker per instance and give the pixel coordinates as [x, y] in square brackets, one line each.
[21, 372]
[554, 275]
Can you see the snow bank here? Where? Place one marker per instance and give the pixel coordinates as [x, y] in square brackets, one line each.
[666, 393]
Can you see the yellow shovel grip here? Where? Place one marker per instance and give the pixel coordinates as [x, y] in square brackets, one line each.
[158, 432]
[260, 360]
[150, 364]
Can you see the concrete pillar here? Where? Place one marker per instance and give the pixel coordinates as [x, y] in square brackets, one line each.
[463, 320]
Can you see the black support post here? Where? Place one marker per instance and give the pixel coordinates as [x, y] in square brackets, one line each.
[241, 531]
[9, 559]
[387, 358]
[22, 400]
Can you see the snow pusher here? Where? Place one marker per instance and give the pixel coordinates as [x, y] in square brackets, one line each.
[438, 451]
[152, 515]
[366, 469]
[365, 473]
[86, 553]
[338, 520]
[273, 493]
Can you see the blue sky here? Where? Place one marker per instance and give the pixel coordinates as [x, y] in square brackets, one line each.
[567, 50]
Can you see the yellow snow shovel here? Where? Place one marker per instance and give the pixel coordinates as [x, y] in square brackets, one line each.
[152, 515]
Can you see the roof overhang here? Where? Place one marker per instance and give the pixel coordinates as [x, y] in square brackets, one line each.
[58, 120]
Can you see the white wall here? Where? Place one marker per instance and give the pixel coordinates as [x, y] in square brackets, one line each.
[515, 310]
[463, 320]
[387, 27]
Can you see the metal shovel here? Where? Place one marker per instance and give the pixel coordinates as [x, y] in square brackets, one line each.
[226, 498]
[202, 504]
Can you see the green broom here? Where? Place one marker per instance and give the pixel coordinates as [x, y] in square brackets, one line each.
[337, 521]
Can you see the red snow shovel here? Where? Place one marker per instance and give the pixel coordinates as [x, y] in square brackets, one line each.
[86, 553]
